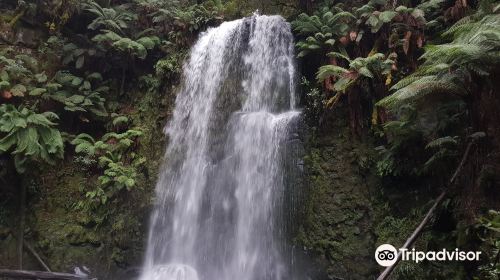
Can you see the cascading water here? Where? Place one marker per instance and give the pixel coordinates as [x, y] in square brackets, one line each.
[220, 192]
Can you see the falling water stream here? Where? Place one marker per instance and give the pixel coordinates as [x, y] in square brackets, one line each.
[221, 188]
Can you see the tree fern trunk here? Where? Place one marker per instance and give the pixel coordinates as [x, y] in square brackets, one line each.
[305, 5]
[355, 111]
[22, 221]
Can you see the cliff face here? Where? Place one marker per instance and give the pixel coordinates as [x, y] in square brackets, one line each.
[349, 210]
[340, 202]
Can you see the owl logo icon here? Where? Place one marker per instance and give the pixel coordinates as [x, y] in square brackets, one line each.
[386, 255]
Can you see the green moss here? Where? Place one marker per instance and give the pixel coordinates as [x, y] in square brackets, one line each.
[108, 239]
[339, 208]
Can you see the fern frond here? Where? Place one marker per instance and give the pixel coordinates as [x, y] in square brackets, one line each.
[442, 142]
[462, 25]
[420, 89]
[338, 55]
[328, 71]
[411, 79]
[449, 68]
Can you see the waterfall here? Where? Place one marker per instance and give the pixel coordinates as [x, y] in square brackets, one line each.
[219, 196]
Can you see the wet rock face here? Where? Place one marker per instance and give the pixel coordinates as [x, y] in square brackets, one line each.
[19, 35]
[6, 33]
[27, 37]
[338, 218]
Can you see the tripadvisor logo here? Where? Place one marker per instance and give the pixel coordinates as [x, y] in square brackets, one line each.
[387, 255]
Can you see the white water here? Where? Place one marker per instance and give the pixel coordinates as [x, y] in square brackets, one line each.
[220, 191]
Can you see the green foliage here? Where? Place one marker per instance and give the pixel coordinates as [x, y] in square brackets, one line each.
[73, 53]
[19, 75]
[334, 27]
[134, 48]
[323, 30]
[424, 141]
[450, 75]
[119, 120]
[394, 229]
[357, 44]
[114, 19]
[453, 67]
[445, 148]
[169, 65]
[113, 24]
[114, 157]
[488, 228]
[404, 138]
[78, 94]
[29, 136]
[371, 67]
[19, 78]
[376, 19]
[191, 18]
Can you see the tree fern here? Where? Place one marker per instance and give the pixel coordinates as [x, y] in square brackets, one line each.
[108, 18]
[330, 70]
[322, 31]
[448, 68]
[371, 66]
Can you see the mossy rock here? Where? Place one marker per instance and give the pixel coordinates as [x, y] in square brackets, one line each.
[338, 225]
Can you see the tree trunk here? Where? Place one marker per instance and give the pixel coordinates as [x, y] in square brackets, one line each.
[305, 5]
[37, 256]
[25, 274]
[355, 111]
[409, 242]
[22, 221]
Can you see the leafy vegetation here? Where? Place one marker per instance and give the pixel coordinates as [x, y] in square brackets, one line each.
[419, 77]
[371, 67]
[113, 155]
[488, 229]
[457, 67]
[352, 42]
[30, 137]
[78, 80]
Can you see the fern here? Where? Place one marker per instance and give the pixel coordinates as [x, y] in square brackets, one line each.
[443, 142]
[112, 154]
[330, 70]
[420, 89]
[108, 18]
[449, 68]
[322, 31]
[134, 48]
[488, 226]
[370, 67]
[192, 18]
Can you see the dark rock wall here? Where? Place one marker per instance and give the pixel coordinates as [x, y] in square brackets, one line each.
[339, 208]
